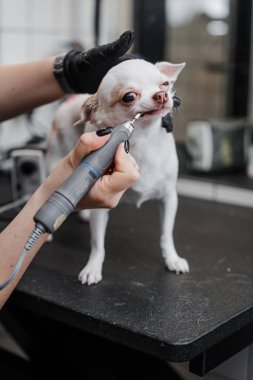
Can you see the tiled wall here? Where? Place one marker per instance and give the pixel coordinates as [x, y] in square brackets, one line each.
[36, 29]
[33, 29]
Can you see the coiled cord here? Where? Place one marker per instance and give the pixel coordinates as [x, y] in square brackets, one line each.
[37, 232]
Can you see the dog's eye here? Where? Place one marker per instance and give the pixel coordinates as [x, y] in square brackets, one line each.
[129, 97]
[166, 83]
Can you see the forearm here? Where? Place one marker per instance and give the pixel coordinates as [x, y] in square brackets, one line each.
[26, 86]
[15, 235]
[13, 239]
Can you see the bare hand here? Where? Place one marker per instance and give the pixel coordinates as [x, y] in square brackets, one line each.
[108, 190]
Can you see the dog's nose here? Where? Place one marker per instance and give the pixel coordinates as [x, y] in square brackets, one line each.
[160, 97]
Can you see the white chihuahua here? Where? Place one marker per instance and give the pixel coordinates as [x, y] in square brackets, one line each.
[131, 87]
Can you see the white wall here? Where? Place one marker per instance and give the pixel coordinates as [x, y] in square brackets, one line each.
[34, 29]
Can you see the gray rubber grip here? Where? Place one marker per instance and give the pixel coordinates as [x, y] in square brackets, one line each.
[78, 184]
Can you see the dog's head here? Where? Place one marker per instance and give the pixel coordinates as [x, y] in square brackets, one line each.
[131, 87]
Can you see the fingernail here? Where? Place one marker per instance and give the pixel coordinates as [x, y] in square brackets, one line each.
[103, 132]
[127, 146]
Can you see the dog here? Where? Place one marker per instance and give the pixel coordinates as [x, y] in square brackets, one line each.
[62, 136]
[132, 87]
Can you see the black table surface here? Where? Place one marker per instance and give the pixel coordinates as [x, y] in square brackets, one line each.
[139, 303]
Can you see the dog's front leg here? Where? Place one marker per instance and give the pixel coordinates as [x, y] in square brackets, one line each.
[173, 262]
[92, 272]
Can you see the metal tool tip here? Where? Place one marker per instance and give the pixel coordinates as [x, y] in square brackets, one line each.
[137, 116]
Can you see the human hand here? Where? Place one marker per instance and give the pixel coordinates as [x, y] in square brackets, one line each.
[85, 70]
[108, 189]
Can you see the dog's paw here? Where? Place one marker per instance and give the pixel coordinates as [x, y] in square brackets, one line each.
[90, 275]
[178, 265]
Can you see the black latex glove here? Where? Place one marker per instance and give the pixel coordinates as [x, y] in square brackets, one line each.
[166, 120]
[85, 70]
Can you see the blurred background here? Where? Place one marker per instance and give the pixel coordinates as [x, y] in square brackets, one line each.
[212, 37]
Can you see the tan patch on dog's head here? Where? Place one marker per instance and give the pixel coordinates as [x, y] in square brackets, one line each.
[118, 92]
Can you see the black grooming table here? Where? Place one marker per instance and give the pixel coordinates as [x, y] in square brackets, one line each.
[203, 317]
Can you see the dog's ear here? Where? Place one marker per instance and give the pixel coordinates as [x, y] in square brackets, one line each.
[88, 110]
[79, 124]
[171, 70]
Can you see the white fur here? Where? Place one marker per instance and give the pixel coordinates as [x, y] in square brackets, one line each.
[153, 149]
[63, 135]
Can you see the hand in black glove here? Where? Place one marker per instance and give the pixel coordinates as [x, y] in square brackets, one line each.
[84, 71]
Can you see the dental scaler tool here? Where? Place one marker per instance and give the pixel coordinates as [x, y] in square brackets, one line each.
[64, 200]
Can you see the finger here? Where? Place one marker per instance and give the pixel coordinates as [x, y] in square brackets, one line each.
[87, 143]
[128, 157]
[112, 50]
[125, 172]
[120, 46]
[121, 157]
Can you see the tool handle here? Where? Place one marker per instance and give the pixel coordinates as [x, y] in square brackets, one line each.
[92, 167]
[102, 158]
[57, 208]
